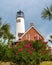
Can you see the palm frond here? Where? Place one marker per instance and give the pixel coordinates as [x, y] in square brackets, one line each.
[6, 28]
[0, 21]
[51, 36]
[51, 8]
[47, 14]
[50, 40]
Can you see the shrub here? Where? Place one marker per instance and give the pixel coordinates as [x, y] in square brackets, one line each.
[26, 52]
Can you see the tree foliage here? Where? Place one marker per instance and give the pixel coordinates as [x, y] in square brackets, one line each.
[50, 40]
[5, 33]
[25, 52]
[47, 13]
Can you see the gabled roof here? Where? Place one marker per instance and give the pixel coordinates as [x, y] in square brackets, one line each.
[34, 29]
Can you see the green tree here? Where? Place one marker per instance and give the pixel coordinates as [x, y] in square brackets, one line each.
[0, 27]
[10, 38]
[5, 33]
[50, 40]
[47, 13]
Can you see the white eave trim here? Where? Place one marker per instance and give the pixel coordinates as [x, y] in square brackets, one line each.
[35, 29]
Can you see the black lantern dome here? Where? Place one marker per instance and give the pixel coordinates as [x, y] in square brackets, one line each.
[20, 14]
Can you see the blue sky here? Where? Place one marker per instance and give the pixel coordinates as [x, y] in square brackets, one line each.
[32, 10]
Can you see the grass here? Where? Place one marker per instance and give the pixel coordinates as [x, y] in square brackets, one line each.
[4, 63]
[46, 63]
[43, 63]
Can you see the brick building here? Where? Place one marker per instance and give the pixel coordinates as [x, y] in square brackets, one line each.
[30, 34]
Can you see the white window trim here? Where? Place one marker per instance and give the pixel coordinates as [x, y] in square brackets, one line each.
[27, 36]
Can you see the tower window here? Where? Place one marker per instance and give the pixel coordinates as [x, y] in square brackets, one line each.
[18, 20]
[28, 37]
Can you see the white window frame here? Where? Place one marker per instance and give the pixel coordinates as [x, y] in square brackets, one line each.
[27, 36]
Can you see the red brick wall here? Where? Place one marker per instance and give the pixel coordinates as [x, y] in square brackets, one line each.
[32, 33]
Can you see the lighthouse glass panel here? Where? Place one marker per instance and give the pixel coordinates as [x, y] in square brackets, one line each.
[20, 14]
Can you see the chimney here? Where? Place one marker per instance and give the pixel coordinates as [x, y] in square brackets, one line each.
[31, 24]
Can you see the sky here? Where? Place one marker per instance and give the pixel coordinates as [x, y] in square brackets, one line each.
[32, 11]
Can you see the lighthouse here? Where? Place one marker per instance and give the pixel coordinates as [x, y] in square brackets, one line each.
[20, 24]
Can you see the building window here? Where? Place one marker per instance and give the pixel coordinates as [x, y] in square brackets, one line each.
[36, 36]
[19, 39]
[28, 37]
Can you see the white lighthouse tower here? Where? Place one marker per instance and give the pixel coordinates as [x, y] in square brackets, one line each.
[20, 24]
